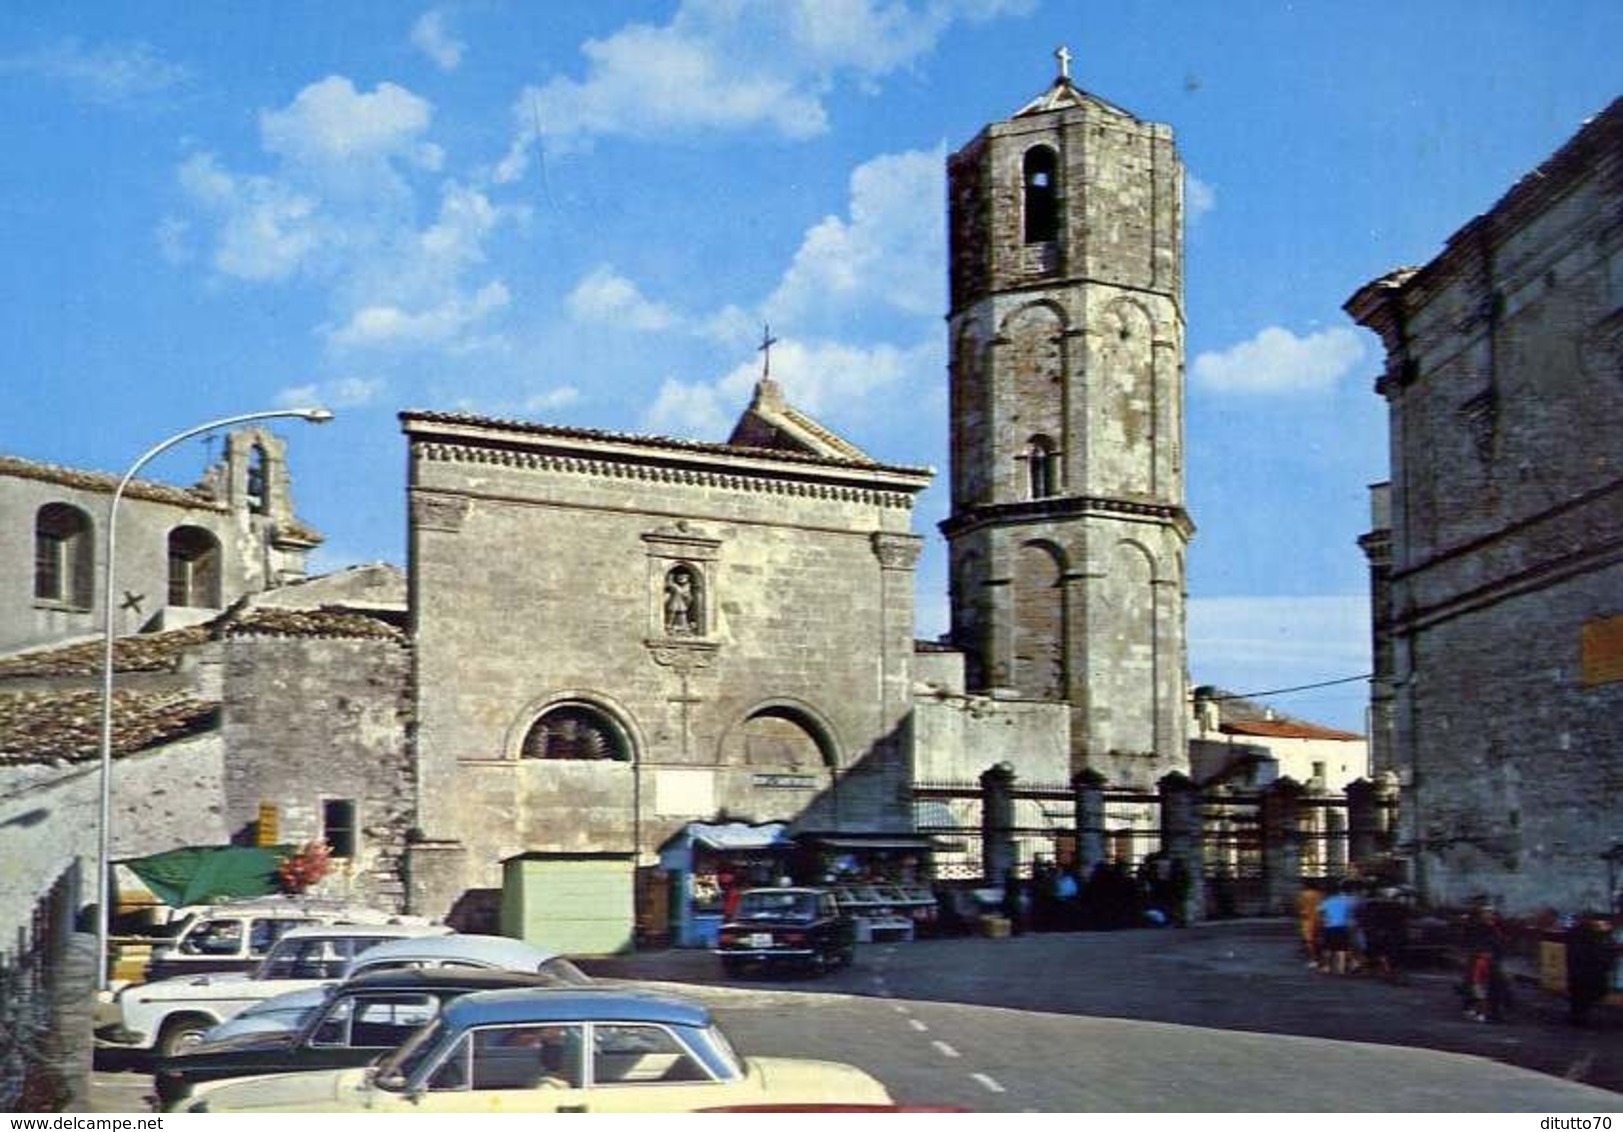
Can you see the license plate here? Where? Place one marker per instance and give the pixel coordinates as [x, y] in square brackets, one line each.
[761, 939]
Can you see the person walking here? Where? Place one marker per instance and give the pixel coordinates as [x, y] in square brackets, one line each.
[1307, 920]
[1486, 991]
[1336, 914]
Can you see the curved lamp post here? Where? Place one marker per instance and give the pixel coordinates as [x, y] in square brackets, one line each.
[104, 912]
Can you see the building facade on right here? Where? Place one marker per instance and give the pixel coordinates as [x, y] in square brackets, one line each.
[1498, 585]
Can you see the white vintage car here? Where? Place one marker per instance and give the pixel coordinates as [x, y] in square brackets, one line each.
[602, 1049]
[170, 1014]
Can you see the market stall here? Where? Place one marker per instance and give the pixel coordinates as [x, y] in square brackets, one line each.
[709, 861]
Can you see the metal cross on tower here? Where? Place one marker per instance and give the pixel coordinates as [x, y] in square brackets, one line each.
[767, 342]
[1063, 54]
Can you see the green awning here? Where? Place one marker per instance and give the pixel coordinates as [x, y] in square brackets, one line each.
[203, 874]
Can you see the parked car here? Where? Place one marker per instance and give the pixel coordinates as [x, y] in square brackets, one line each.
[348, 1024]
[799, 927]
[172, 1013]
[235, 936]
[590, 1049]
[289, 1010]
[492, 952]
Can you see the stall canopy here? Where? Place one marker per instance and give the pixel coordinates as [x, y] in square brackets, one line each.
[737, 836]
[202, 874]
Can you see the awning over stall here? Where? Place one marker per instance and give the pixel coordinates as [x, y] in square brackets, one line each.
[202, 874]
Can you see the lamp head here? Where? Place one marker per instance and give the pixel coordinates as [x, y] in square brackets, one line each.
[316, 416]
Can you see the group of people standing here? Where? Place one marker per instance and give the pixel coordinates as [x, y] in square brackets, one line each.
[1345, 929]
[1112, 896]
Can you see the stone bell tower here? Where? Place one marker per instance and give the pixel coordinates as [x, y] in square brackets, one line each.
[1068, 531]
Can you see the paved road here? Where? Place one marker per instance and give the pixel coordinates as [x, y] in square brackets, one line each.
[1214, 1018]
[1235, 977]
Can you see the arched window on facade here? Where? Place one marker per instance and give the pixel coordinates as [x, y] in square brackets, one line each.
[1041, 195]
[194, 568]
[1042, 468]
[684, 601]
[64, 556]
[780, 737]
[578, 732]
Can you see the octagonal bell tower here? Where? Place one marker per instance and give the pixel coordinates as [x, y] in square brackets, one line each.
[1068, 530]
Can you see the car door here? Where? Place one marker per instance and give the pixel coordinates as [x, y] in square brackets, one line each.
[643, 1067]
[533, 1067]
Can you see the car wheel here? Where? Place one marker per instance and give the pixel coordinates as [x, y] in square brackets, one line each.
[817, 965]
[732, 967]
[180, 1034]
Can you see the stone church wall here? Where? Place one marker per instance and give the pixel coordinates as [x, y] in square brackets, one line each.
[541, 582]
[1503, 358]
[310, 720]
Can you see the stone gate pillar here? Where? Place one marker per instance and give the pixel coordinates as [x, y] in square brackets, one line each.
[1363, 823]
[1088, 801]
[1281, 846]
[1183, 843]
[997, 822]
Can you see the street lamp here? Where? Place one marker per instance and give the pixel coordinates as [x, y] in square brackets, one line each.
[104, 912]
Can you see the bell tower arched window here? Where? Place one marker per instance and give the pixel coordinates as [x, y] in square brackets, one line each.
[258, 485]
[1042, 468]
[1041, 195]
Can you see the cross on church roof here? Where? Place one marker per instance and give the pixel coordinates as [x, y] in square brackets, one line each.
[767, 342]
[1063, 54]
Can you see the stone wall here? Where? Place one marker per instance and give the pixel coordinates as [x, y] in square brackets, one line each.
[260, 545]
[1503, 356]
[539, 584]
[310, 720]
[50, 815]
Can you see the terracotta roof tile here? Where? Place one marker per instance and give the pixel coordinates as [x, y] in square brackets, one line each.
[1285, 729]
[102, 481]
[47, 727]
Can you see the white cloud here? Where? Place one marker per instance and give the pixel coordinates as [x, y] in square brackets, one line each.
[731, 65]
[106, 75]
[561, 397]
[605, 296]
[340, 209]
[267, 229]
[684, 409]
[887, 253]
[1199, 198]
[1277, 361]
[331, 122]
[343, 393]
[391, 326]
[819, 376]
[429, 35]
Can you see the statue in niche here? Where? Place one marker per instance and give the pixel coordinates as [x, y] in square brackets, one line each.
[682, 612]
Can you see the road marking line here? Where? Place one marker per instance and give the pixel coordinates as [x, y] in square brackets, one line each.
[944, 1049]
[919, 1026]
[990, 1085]
[900, 1009]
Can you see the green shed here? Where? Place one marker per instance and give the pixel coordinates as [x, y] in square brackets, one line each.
[575, 903]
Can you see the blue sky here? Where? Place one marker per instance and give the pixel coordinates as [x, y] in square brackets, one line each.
[583, 214]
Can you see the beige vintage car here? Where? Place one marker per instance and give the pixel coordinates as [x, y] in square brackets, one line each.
[598, 1049]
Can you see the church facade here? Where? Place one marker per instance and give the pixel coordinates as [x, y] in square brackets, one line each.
[1068, 529]
[615, 636]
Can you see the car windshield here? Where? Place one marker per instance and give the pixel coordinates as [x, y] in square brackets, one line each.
[771, 904]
